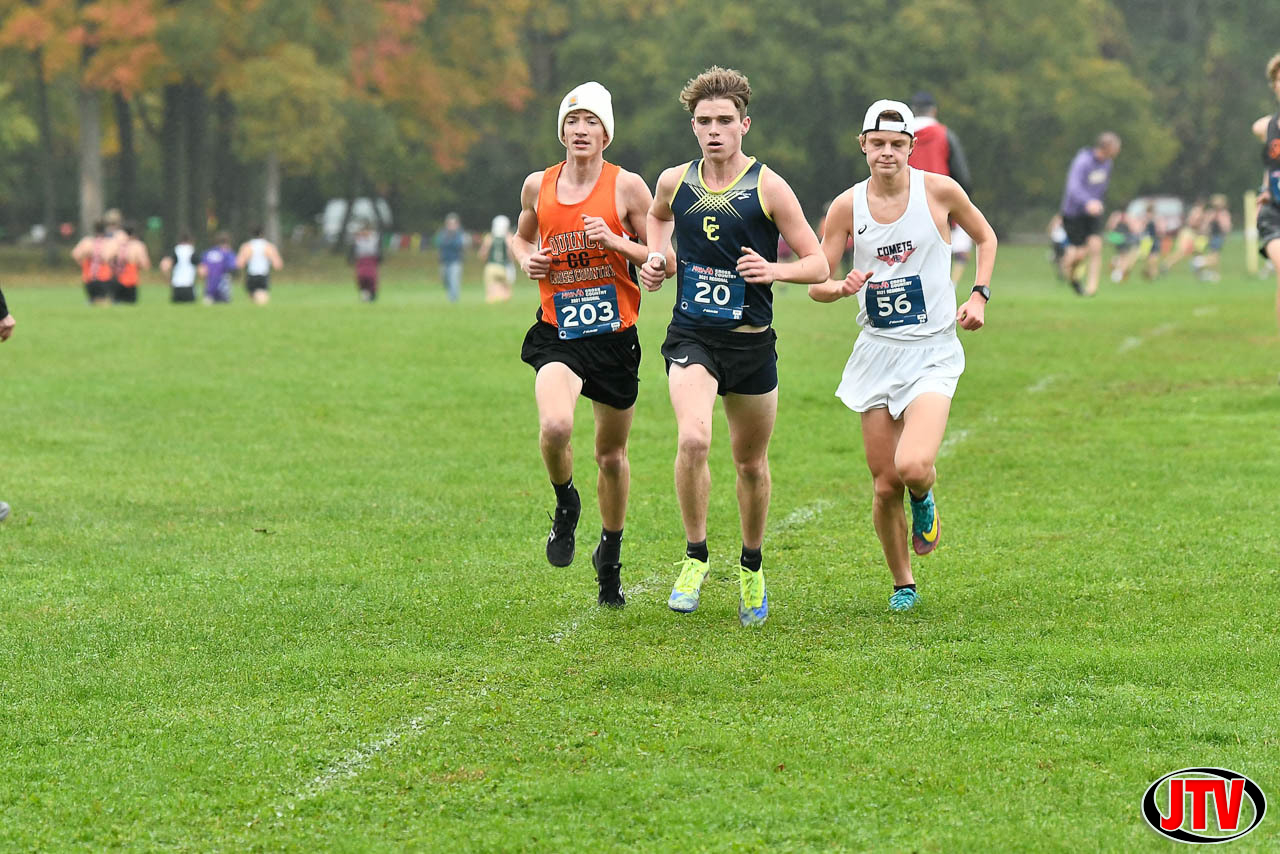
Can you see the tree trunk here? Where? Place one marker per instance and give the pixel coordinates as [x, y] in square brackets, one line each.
[196, 125]
[271, 200]
[45, 156]
[176, 177]
[128, 199]
[89, 104]
[228, 175]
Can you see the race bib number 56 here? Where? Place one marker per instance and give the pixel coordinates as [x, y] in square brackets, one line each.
[587, 311]
[896, 302]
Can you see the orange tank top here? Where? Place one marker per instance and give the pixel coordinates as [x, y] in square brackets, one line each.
[95, 267]
[589, 290]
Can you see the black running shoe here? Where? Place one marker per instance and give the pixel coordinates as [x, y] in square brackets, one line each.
[608, 577]
[560, 541]
[1077, 287]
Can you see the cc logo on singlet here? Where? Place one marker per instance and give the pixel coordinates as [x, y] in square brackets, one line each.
[710, 227]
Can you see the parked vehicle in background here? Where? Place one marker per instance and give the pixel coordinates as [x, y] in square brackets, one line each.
[373, 211]
[1169, 211]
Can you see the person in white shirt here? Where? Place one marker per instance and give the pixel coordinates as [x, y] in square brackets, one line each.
[180, 266]
[258, 257]
[907, 360]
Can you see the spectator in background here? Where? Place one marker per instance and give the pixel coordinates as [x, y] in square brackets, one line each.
[180, 266]
[365, 255]
[96, 255]
[1188, 236]
[1124, 234]
[937, 149]
[131, 259]
[1082, 210]
[218, 265]
[495, 252]
[451, 241]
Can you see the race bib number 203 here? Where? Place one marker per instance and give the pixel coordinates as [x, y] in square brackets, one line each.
[587, 311]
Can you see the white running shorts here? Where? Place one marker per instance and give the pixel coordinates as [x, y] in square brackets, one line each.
[892, 374]
[961, 243]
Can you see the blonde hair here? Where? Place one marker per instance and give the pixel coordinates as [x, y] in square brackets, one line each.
[1273, 68]
[717, 82]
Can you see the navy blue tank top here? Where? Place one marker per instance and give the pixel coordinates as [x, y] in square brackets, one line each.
[1271, 159]
[711, 230]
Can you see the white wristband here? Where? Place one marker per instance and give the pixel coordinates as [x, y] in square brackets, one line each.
[661, 256]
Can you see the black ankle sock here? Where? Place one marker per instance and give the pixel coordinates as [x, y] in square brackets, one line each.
[752, 559]
[610, 546]
[898, 587]
[697, 551]
[566, 495]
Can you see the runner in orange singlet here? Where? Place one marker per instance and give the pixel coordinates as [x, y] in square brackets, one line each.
[581, 230]
[96, 255]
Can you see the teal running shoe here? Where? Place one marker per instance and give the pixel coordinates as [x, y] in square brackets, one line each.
[904, 599]
[688, 588]
[753, 601]
[925, 528]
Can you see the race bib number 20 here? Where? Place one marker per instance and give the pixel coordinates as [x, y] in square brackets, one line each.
[587, 311]
[896, 302]
[712, 291]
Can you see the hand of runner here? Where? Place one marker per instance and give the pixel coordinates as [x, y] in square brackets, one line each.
[599, 232]
[854, 282]
[753, 268]
[972, 315]
[6, 326]
[537, 265]
[653, 274]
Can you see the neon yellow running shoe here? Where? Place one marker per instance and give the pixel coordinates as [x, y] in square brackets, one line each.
[753, 601]
[688, 588]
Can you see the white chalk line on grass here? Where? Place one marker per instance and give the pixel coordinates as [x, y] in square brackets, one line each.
[954, 439]
[1040, 385]
[1133, 342]
[570, 626]
[801, 515]
[354, 762]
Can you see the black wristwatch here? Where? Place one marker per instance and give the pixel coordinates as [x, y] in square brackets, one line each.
[984, 290]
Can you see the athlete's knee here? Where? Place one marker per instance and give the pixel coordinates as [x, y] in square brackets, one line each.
[612, 461]
[694, 444]
[556, 430]
[888, 487]
[914, 468]
[753, 470]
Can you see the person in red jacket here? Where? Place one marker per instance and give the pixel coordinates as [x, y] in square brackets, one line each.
[938, 150]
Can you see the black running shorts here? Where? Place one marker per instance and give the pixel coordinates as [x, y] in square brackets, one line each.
[741, 362]
[256, 283]
[608, 364]
[124, 293]
[1268, 226]
[1080, 228]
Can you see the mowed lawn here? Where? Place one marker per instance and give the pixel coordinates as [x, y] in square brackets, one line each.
[274, 580]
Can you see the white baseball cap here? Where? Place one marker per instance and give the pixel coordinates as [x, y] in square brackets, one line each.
[872, 121]
[593, 98]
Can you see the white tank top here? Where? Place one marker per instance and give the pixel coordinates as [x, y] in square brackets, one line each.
[184, 272]
[909, 296]
[258, 264]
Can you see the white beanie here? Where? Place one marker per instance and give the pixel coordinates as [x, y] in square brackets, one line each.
[501, 225]
[593, 98]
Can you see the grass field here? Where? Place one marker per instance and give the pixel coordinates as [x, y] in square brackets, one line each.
[274, 580]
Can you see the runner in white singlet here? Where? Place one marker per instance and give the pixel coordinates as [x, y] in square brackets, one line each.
[907, 360]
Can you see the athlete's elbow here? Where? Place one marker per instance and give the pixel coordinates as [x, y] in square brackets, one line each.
[818, 270]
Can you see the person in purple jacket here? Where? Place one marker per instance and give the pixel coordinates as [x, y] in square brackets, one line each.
[1082, 209]
[217, 266]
